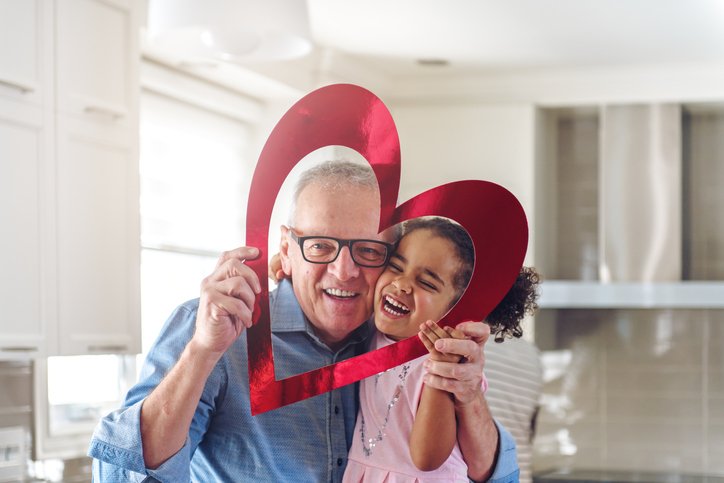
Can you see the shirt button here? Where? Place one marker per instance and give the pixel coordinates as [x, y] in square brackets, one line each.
[340, 461]
[336, 410]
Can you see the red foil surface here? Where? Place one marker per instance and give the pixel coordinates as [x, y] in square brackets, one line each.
[348, 115]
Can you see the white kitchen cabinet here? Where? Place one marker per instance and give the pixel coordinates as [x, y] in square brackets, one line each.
[98, 218]
[98, 240]
[70, 245]
[23, 174]
[97, 60]
[25, 27]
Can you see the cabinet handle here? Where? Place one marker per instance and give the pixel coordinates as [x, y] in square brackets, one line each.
[110, 348]
[24, 88]
[114, 114]
[18, 349]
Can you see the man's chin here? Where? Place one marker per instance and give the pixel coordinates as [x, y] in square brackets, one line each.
[341, 321]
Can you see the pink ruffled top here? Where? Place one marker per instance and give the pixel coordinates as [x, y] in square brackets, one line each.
[389, 460]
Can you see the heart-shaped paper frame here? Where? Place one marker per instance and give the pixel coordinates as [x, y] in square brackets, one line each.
[348, 115]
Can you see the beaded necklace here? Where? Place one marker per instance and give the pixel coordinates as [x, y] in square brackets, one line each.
[368, 445]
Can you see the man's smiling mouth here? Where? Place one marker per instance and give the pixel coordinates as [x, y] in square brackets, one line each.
[393, 307]
[338, 293]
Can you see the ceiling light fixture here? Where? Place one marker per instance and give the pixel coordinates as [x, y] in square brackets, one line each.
[433, 62]
[230, 30]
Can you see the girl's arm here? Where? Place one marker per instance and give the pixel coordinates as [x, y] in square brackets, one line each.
[434, 431]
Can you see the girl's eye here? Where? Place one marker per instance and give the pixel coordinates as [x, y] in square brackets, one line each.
[393, 267]
[428, 285]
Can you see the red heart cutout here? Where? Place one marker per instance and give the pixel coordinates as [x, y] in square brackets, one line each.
[348, 115]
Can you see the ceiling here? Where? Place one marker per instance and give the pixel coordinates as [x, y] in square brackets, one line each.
[377, 42]
[485, 35]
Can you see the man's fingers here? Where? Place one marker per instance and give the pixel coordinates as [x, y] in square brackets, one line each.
[478, 331]
[453, 370]
[236, 287]
[241, 254]
[234, 268]
[442, 383]
[222, 306]
[465, 348]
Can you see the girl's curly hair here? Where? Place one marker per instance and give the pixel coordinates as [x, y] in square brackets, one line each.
[521, 300]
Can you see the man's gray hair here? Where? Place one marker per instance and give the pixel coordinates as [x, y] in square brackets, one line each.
[333, 175]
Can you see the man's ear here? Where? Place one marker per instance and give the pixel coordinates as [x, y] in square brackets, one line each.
[284, 252]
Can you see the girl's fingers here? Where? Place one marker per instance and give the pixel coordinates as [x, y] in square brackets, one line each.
[429, 345]
[437, 330]
[455, 333]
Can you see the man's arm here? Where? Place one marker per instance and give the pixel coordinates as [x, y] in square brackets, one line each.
[478, 434]
[117, 446]
[225, 308]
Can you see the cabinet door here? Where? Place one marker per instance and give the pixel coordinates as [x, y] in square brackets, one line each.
[97, 59]
[22, 174]
[24, 24]
[98, 240]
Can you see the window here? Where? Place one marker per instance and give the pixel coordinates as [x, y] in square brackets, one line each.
[195, 176]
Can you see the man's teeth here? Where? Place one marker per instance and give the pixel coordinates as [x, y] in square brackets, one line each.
[339, 293]
[399, 309]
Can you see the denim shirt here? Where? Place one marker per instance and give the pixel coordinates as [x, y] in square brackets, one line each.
[305, 441]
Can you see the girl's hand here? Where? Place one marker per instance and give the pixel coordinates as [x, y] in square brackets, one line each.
[431, 332]
[276, 274]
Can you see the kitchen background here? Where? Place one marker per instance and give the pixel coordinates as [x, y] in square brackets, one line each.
[604, 117]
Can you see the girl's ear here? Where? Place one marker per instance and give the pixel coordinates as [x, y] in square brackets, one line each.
[284, 252]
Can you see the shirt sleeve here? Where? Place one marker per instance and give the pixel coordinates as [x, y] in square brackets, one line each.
[506, 466]
[116, 445]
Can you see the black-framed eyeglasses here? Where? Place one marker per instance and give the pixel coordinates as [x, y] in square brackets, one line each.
[325, 249]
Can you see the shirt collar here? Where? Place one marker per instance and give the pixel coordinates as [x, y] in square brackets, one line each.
[286, 313]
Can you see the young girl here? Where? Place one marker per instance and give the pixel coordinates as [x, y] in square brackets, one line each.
[407, 431]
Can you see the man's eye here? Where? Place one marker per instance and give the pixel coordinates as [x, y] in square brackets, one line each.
[369, 251]
[320, 247]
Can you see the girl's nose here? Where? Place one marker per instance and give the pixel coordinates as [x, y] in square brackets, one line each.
[402, 284]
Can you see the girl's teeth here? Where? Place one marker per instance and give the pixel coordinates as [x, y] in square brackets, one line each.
[395, 303]
[389, 310]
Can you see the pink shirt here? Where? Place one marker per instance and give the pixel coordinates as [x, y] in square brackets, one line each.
[389, 459]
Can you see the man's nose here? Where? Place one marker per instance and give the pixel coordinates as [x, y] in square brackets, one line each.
[344, 267]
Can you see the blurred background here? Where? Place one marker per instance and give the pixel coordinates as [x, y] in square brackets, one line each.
[129, 132]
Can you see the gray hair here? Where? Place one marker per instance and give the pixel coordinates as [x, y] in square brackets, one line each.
[330, 175]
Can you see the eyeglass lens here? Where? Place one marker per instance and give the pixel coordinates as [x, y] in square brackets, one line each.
[324, 250]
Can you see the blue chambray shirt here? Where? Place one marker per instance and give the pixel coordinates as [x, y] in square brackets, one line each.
[306, 441]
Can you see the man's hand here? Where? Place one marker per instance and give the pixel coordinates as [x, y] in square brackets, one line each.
[227, 301]
[464, 380]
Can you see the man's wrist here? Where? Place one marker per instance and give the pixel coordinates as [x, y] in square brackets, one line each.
[474, 403]
[202, 355]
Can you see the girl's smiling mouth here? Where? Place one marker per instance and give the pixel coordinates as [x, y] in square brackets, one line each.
[394, 307]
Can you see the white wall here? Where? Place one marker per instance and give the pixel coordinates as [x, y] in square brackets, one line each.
[491, 142]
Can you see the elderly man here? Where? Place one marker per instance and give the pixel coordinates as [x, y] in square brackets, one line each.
[189, 416]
